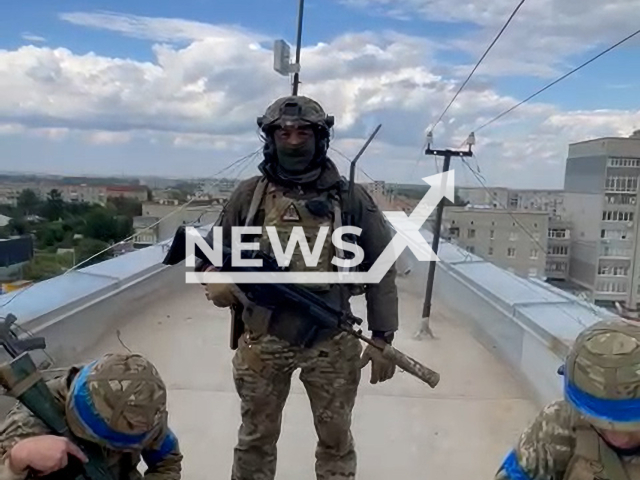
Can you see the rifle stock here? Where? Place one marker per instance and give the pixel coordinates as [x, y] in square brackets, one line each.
[323, 314]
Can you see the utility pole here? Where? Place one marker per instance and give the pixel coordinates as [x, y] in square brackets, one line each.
[296, 75]
[447, 154]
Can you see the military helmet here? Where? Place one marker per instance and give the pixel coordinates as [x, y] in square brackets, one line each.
[602, 375]
[295, 111]
[118, 401]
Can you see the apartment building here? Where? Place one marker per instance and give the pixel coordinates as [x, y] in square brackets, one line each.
[155, 225]
[601, 201]
[514, 240]
[496, 197]
[550, 201]
[532, 200]
[134, 192]
[558, 249]
[376, 187]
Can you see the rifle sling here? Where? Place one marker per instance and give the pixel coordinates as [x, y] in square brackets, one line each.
[25, 384]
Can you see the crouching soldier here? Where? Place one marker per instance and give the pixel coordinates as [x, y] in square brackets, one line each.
[117, 402]
[594, 432]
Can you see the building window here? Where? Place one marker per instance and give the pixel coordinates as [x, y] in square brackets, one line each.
[611, 251]
[511, 252]
[613, 270]
[557, 267]
[558, 250]
[471, 249]
[492, 234]
[534, 254]
[618, 199]
[624, 162]
[513, 236]
[533, 272]
[558, 233]
[617, 216]
[471, 233]
[622, 184]
[616, 235]
[609, 286]
[490, 253]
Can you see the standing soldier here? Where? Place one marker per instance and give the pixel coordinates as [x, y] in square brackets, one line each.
[594, 433]
[301, 187]
[117, 402]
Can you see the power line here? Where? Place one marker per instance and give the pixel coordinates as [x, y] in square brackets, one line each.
[349, 160]
[495, 40]
[558, 80]
[537, 242]
[173, 212]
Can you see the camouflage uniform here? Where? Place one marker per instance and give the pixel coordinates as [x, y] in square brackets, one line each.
[602, 380]
[268, 352]
[92, 398]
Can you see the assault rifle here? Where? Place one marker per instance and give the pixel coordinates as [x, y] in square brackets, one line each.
[22, 380]
[320, 313]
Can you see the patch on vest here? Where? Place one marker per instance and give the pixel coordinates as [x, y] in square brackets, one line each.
[291, 214]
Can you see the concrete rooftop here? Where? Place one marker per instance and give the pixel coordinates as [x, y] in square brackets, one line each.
[402, 428]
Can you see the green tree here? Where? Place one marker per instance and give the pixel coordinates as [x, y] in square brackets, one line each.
[88, 247]
[102, 226]
[129, 207]
[78, 209]
[50, 234]
[28, 202]
[18, 226]
[54, 208]
[124, 227]
[42, 268]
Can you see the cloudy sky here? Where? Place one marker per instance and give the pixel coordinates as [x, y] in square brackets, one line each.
[174, 88]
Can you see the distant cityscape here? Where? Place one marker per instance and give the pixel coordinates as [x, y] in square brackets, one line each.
[582, 238]
[51, 224]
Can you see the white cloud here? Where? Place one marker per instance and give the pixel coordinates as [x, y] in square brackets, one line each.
[108, 138]
[541, 39]
[204, 96]
[30, 37]
[158, 29]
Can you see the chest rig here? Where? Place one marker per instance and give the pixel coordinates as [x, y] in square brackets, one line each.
[310, 214]
[595, 460]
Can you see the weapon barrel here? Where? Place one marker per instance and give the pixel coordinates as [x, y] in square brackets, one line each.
[408, 364]
[324, 314]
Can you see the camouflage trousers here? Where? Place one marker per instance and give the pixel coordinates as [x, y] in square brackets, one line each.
[262, 369]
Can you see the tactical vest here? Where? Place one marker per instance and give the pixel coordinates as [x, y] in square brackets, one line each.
[286, 211]
[595, 460]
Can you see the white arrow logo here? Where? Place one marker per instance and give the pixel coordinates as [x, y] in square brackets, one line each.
[407, 235]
